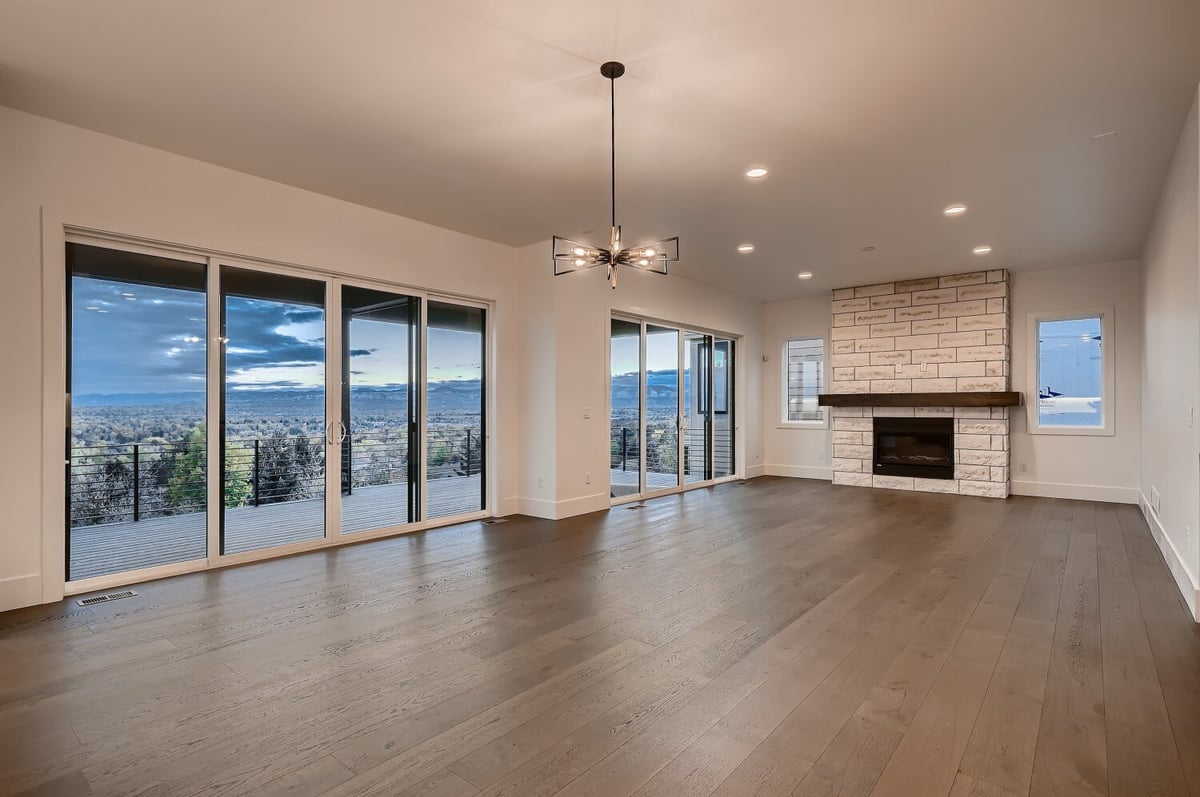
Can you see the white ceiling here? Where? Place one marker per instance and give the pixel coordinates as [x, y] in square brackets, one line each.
[491, 117]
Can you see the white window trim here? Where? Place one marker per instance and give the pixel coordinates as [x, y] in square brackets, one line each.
[781, 419]
[1108, 347]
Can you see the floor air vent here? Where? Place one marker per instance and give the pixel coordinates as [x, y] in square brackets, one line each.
[111, 596]
[494, 520]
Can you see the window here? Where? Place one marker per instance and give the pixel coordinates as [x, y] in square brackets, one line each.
[803, 380]
[1072, 373]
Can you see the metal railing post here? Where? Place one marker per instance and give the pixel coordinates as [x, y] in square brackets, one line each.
[624, 446]
[137, 484]
[468, 452]
[256, 472]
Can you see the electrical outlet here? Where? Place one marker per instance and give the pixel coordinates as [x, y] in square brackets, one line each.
[924, 367]
[1022, 467]
[540, 484]
[587, 413]
[587, 478]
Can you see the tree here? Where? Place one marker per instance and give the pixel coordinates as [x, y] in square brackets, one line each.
[186, 487]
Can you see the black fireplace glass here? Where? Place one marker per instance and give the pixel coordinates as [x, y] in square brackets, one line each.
[921, 447]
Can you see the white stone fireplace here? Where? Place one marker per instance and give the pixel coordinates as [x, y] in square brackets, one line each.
[906, 340]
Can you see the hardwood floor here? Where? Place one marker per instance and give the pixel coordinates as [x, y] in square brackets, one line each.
[777, 637]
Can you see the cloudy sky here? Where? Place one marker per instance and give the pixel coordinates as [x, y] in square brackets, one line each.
[142, 339]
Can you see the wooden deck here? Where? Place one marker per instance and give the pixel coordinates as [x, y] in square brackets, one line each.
[116, 547]
[781, 637]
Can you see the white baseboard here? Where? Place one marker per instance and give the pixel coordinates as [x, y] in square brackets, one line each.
[537, 507]
[754, 471]
[1184, 579]
[557, 510]
[597, 502]
[1078, 492]
[508, 506]
[800, 471]
[20, 591]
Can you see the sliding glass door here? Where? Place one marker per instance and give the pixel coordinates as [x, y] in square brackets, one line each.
[136, 470]
[218, 410]
[625, 407]
[671, 394]
[380, 476]
[662, 408]
[273, 415]
[697, 407]
[456, 425]
[722, 408]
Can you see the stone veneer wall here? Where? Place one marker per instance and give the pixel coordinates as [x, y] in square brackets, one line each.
[939, 335]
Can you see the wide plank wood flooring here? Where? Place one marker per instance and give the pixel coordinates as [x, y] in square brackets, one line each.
[775, 637]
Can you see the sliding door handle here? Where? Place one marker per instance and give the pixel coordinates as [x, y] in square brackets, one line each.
[341, 433]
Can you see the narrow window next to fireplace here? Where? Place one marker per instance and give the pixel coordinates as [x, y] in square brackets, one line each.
[922, 447]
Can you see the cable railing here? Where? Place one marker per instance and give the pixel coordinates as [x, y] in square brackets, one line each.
[273, 470]
[662, 449]
[131, 482]
[135, 481]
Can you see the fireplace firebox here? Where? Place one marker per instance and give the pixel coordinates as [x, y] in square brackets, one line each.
[921, 447]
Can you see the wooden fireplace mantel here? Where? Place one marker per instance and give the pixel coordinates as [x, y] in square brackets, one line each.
[1004, 398]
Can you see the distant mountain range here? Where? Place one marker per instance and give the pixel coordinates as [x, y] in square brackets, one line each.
[662, 387]
[450, 395]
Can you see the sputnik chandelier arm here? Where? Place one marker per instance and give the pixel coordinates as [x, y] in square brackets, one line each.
[571, 256]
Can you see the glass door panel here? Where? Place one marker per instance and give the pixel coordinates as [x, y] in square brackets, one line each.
[662, 407]
[697, 408]
[379, 409]
[273, 420]
[136, 459]
[723, 414]
[455, 420]
[625, 370]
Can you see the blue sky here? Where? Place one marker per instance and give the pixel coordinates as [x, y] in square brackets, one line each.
[142, 339]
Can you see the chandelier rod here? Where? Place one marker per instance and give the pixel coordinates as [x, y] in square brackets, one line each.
[612, 117]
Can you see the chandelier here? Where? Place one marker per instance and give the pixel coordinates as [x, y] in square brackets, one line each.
[572, 256]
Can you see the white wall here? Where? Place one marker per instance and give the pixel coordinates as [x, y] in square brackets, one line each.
[1099, 468]
[1096, 468]
[551, 334]
[792, 450]
[572, 462]
[1170, 379]
[77, 174]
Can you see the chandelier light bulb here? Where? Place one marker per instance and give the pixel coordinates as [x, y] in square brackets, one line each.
[579, 251]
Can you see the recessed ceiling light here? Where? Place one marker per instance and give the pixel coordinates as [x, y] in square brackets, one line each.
[982, 249]
[954, 210]
[745, 249]
[1105, 134]
[756, 172]
[867, 249]
[805, 275]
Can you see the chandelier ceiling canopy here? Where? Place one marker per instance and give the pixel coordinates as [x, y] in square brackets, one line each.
[571, 256]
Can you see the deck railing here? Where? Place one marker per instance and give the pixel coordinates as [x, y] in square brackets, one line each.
[130, 482]
[662, 448]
